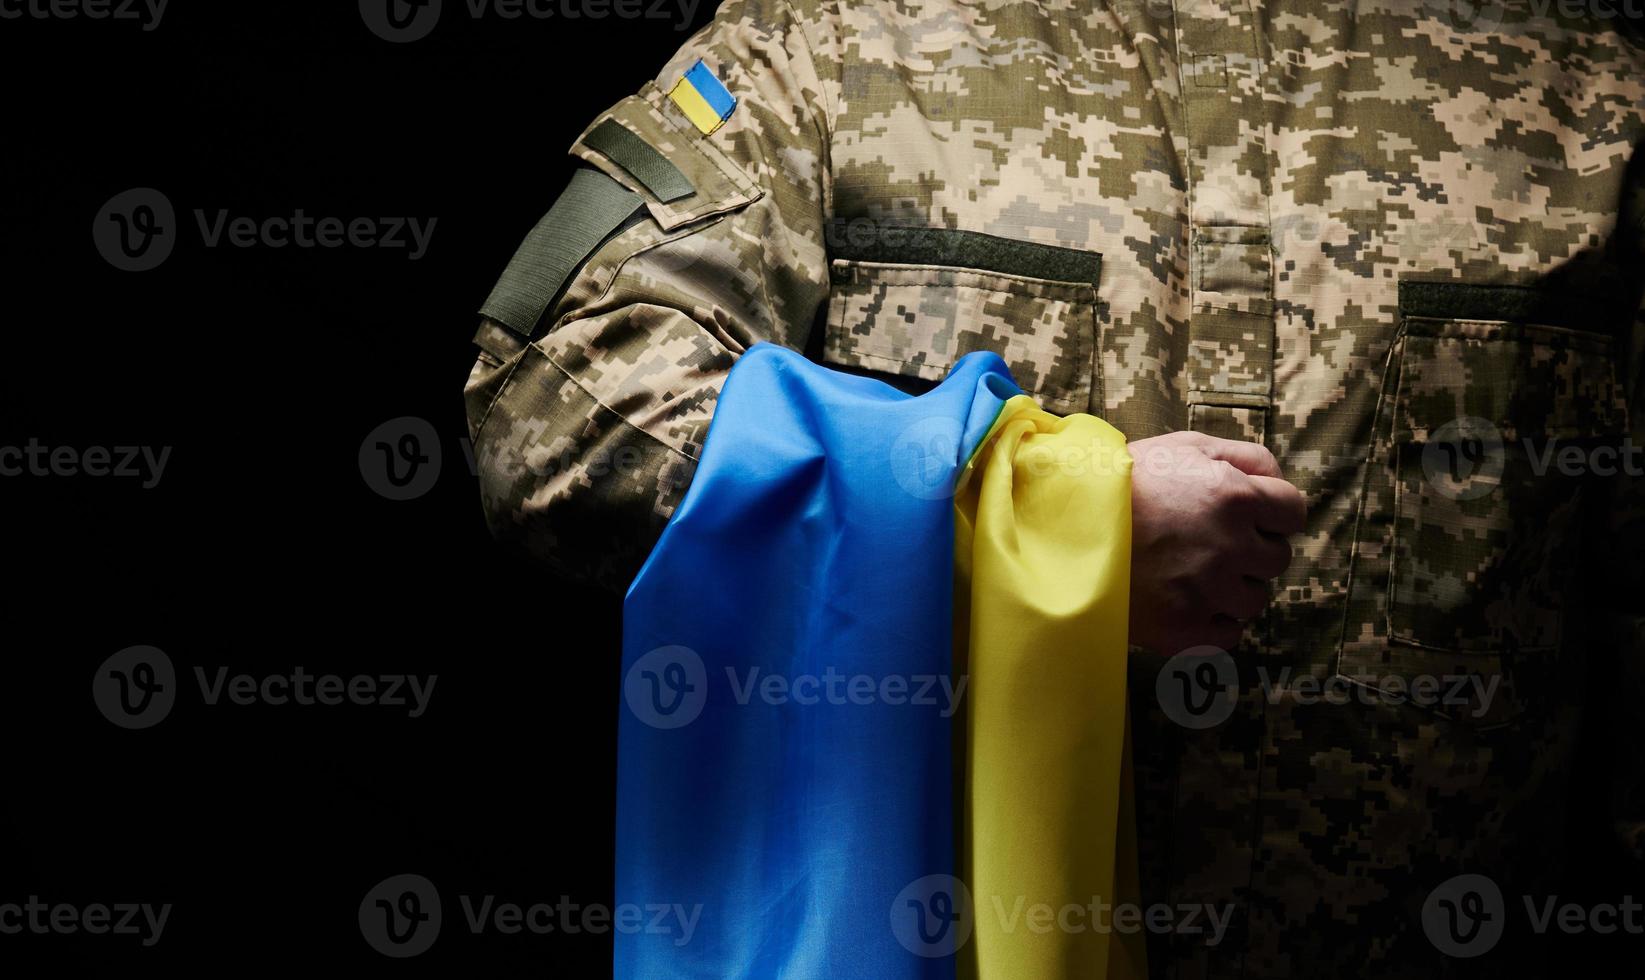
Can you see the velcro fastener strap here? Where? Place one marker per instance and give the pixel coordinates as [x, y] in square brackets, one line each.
[873, 241]
[1593, 306]
[592, 207]
[626, 149]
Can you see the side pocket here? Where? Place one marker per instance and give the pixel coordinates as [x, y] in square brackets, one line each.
[579, 485]
[1465, 549]
[1483, 522]
[499, 352]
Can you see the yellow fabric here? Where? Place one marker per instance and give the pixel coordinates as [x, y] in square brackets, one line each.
[1042, 564]
[695, 107]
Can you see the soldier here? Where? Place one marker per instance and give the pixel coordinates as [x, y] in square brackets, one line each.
[1398, 249]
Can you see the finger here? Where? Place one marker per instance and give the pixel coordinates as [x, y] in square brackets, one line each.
[1247, 457]
[1280, 508]
[1267, 556]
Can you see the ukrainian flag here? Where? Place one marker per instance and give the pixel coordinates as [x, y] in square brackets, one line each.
[874, 688]
[703, 98]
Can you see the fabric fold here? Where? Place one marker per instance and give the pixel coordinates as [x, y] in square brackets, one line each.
[861, 709]
[784, 748]
[1042, 558]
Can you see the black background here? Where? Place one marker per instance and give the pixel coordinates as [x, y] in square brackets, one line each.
[262, 547]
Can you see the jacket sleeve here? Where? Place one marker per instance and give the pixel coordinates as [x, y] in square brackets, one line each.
[587, 422]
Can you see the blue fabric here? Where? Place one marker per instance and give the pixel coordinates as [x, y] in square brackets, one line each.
[816, 540]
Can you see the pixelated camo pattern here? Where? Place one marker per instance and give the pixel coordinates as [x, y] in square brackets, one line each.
[1259, 177]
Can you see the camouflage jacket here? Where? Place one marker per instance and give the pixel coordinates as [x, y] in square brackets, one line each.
[1399, 247]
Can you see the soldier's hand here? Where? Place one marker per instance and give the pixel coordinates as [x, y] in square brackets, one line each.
[1209, 522]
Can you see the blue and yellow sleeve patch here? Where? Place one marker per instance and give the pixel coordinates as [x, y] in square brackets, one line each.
[703, 98]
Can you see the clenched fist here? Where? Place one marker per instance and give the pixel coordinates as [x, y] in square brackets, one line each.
[1209, 522]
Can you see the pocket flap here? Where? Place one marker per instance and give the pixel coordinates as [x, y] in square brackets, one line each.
[1530, 381]
[911, 301]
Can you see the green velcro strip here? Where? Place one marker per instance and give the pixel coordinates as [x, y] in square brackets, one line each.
[626, 149]
[863, 240]
[591, 209]
[1585, 310]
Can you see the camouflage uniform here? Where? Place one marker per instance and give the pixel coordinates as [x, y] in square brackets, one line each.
[1331, 227]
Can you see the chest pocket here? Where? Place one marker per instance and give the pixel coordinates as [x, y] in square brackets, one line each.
[912, 301]
[1495, 426]
[1491, 416]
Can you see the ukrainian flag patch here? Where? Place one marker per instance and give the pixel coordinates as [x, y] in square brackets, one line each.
[703, 98]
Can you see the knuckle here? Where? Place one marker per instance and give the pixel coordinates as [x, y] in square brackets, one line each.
[1230, 491]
